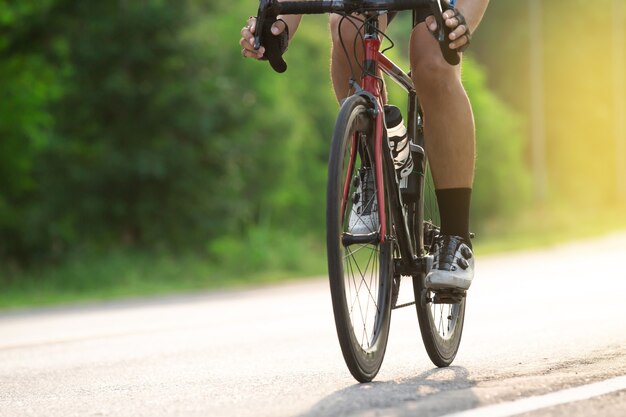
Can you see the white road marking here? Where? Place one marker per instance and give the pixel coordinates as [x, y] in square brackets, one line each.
[544, 401]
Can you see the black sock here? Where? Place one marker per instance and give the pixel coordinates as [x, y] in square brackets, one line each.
[454, 207]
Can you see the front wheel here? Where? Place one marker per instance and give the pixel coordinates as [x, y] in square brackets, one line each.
[359, 265]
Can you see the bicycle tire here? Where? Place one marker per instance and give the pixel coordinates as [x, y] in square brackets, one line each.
[441, 324]
[363, 338]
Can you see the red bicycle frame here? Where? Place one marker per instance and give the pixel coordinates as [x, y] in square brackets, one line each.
[375, 60]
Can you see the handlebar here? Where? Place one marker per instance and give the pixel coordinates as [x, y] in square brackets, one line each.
[345, 6]
[270, 9]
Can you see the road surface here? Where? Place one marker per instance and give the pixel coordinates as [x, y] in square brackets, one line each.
[538, 324]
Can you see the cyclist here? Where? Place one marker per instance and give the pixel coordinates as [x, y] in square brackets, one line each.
[448, 121]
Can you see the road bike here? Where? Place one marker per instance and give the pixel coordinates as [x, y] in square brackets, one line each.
[365, 269]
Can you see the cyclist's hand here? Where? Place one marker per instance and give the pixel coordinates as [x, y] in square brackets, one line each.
[247, 38]
[460, 32]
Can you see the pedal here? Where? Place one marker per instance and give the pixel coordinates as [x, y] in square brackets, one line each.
[427, 263]
[448, 296]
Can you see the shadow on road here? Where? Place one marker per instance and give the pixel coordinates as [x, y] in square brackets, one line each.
[432, 393]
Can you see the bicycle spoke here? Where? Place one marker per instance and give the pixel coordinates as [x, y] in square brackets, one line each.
[360, 249]
[357, 297]
[366, 275]
[440, 323]
[368, 304]
[356, 290]
[365, 269]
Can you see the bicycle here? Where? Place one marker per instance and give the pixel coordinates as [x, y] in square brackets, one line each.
[365, 270]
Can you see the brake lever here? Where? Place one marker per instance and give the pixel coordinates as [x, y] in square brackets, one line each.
[260, 22]
[274, 46]
[438, 7]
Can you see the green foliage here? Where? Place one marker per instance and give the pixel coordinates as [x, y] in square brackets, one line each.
[579, 89]
[502, 187]
[29, 84]
[124, 272]
[136, 124]
[129, 149]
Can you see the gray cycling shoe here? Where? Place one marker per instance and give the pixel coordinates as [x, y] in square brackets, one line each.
[454, 265]
[364, 214]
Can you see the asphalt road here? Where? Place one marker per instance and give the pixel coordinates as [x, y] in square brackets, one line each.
[537, 323]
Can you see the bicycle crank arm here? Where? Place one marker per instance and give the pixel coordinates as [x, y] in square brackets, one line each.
[420, 265]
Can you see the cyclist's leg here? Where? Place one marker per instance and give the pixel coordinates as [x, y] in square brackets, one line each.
[449, 122]
[340, 70]
[450, 144]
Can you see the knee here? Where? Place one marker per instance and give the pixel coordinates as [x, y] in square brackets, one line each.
[342, 29]
[432, 75]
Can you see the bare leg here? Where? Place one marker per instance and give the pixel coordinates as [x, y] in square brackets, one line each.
[448, 118]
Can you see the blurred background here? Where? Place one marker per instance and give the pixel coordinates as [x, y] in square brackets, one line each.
[140, 154]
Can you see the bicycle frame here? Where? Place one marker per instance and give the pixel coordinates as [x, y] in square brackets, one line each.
[374, 61]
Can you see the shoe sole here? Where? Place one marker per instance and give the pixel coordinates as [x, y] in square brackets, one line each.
[435, 281]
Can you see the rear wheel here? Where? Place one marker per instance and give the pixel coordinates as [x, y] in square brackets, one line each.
[440, 315]
[359, 265]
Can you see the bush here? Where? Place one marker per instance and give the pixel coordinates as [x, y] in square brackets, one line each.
[502, 185]
[145, 128]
